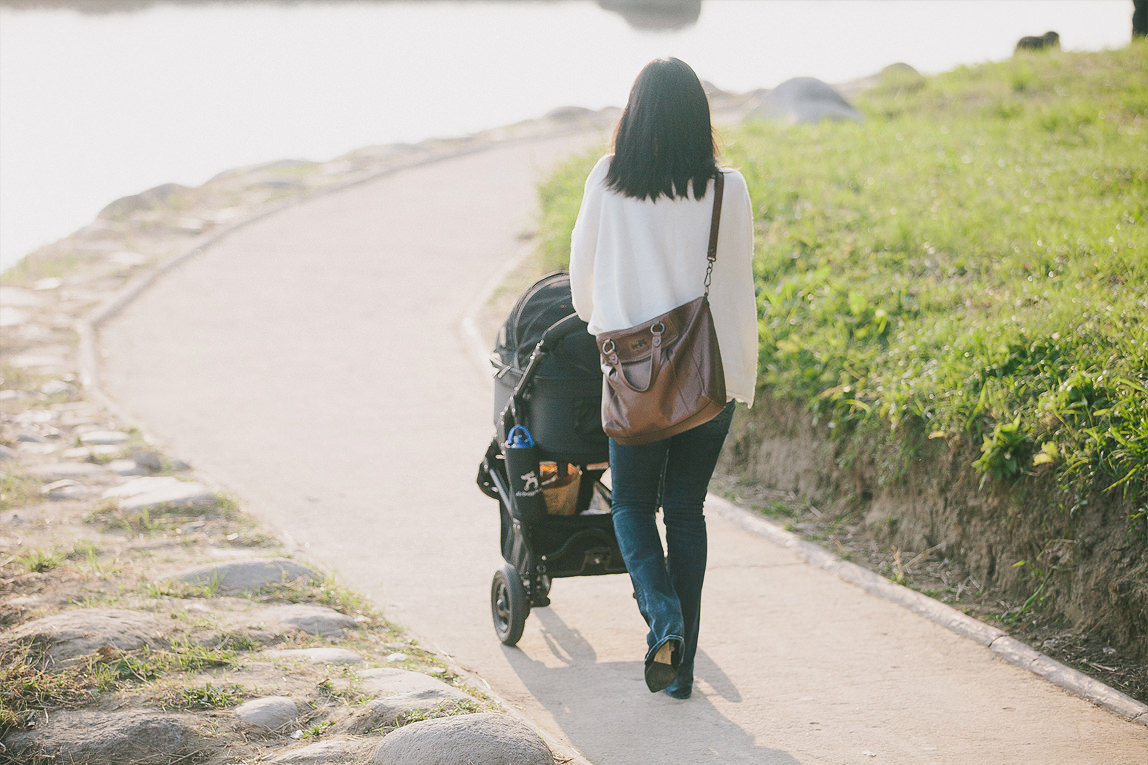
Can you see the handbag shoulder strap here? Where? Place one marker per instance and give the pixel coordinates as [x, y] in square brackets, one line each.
[715, 223]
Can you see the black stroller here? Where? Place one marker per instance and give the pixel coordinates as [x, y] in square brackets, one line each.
[546, 461]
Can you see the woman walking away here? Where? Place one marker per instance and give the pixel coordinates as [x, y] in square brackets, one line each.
[638, 250]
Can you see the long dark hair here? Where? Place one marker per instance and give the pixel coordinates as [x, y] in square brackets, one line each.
[664, 142]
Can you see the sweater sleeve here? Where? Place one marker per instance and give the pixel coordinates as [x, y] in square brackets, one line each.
[584, 241]
[735, 306]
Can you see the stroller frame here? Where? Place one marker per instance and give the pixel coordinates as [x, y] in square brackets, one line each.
[540, 549]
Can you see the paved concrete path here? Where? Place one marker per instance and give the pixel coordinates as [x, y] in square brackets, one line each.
[313, 363]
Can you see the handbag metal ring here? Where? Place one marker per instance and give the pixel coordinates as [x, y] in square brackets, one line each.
[654, 329]
[608, 347]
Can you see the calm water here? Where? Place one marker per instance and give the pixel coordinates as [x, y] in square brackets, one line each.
[98, 106]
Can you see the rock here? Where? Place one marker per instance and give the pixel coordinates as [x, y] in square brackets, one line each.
[125, 207]
[128, 259]
[58, 470]
[804, 100]
[385, 681]
[314, 620]
[162, 492]
[38, 361]
[487, 738]
[149, 461]
[104, 438]
[17, 296]
[340, 750]
[65, 488]
[13, 317]
[56, 388]
[127, 468]
[135, 736]
[655, 14]
[270, 713]
[235, 577]
[1046, 41]
[422, 694]
[7, 453]
[316, 655]
[900, 78]
[66, 636]
[379, 714]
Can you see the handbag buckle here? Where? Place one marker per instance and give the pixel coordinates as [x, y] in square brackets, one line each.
[657, 331]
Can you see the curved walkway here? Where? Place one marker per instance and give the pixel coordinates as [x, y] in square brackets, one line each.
[312, 362]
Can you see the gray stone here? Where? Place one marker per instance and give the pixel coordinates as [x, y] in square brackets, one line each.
[385, 681]
[19, 296]
[127, 468]
[162, 492]
[149, 461]
[13, 317]
[270, 713]
[804, 100]
[56, 388]
[135, 736]
[104, 438]
[235, 577]
[7, 453]
[58, 470]
[387, 712]
[316, 655]
[314, 620]
[335, 750]
[487, 738]
[160, 196]
[65, 488]
[66, 636]
[38, 361]
[128, 259]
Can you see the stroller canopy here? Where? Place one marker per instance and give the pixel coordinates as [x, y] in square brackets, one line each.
[542, 305]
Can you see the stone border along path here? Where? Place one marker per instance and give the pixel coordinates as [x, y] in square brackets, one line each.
[1007, 648]
[115, 478]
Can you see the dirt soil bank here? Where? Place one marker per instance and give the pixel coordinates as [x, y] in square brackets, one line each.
[1072, 586]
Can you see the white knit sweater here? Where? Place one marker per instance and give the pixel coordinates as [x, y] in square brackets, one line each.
[631, 260]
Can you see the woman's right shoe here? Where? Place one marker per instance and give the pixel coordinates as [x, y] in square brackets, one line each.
[662, 667]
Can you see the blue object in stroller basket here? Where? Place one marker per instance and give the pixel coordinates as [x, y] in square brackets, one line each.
[548, 457]
[525, 474]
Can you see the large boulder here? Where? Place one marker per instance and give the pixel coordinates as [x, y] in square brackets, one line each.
[269, 712]
[314, 620]
[804, 100]
[489, 738]
[235, 577]
[63, 637]
[398, 693]
[160, 493]
[137, 736]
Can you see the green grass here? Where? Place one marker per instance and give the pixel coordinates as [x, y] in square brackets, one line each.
[969, 263]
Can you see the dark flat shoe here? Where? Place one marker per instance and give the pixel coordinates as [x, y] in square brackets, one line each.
[662, 667]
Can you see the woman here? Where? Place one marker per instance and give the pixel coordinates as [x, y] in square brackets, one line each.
[638, 250]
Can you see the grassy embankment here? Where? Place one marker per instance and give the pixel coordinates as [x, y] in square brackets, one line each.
[967, 267]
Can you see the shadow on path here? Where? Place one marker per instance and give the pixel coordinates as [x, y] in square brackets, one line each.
[586, 695]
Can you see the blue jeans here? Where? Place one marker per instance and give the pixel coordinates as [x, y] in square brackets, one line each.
[673, 474]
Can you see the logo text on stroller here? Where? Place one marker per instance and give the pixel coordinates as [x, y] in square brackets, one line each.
[530, 484]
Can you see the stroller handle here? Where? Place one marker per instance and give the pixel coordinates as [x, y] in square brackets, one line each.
[561, 329]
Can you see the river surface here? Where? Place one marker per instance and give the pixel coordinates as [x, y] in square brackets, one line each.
[95, 106]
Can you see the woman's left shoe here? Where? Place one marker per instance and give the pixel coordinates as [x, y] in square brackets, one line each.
[662, 666]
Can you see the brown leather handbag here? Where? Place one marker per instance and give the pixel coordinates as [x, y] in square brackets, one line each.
[665, 376]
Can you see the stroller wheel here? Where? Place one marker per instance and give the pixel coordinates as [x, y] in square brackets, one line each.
[508, 604]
